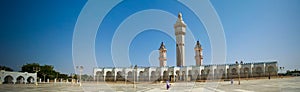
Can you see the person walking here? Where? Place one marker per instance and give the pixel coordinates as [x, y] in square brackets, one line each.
[168, 85]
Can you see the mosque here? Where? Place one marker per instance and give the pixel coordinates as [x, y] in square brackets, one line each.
[181, 72]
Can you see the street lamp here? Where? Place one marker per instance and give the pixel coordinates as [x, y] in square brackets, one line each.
[36, 70]
[80, 68]
[238, 65]
[44, 77]
[134, 74]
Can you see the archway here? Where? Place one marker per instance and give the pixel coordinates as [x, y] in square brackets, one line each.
[271, 70]
[130, 76]
[221, 73]
[183, 77]
[233, 71]
[203, 75]
[246, 72]
[99, 76]
[30, 79]
[259, 71]
[208, 74]
[165, 75]
[120, 76]
[8, 79]
[109, 76]
[153, 76]
[196, 75]
[20, 80]
[189, 75]
[141, 76]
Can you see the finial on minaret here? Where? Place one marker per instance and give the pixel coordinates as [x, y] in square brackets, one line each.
[180, 16]
[162, 46]
[198, 45]
[179, 22]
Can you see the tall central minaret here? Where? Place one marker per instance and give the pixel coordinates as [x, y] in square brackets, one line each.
[180, 27]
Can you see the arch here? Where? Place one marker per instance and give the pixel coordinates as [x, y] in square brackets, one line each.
[196, 75]
[233, 71]
[271, 70]
[153, 76]
[246, 72]
[183, 75]
[130, 76]
[165, 75]
[20, 80]
[202, 72]
[99, 75]
[258, 71]
[8, 79]
[30, 79]
[120, 76]
[208, 72]
[177, 75]
[141, 76]
[190, 73]
[109, 76]
[221, 73]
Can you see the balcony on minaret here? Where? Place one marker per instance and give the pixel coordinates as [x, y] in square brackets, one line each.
[179, 22]
[179, 26]
[198, 46]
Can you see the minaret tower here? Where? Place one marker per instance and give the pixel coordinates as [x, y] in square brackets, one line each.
[198, 54]
[162, 55]
[180, 27]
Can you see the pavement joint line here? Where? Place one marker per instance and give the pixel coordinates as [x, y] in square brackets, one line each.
[214, 89]
[241, 90]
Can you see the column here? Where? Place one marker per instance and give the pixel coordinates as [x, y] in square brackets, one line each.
[104, 74]
[149, 75]
[115, 75]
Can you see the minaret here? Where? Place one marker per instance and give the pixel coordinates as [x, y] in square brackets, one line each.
[198, 54]
[162, 55]
[179, 27]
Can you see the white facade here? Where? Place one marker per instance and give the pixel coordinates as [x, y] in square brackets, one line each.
[187, 73]
[17, 77]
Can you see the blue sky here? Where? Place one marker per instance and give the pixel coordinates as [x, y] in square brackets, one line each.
[42, 31]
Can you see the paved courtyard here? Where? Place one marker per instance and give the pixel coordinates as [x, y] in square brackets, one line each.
[260, 85]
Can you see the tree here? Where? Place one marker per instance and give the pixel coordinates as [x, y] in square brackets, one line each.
[29, 67]
[47, 70]
[6, 68]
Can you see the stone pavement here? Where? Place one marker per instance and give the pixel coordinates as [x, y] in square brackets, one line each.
[260, 85]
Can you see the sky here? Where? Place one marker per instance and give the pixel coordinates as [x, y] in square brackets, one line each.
[35, 31]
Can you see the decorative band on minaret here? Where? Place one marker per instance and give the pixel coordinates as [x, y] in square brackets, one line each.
[162, 55]
[198, 54]
[180, 27]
